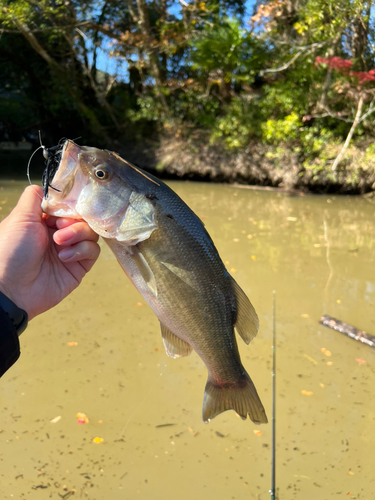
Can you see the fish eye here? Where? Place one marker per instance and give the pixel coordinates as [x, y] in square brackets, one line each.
[101, 172]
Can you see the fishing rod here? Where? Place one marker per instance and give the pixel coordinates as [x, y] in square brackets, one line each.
[273, 460]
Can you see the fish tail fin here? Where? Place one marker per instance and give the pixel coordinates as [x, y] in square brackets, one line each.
[241, 396]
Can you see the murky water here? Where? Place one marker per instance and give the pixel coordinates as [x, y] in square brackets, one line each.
[318, 254]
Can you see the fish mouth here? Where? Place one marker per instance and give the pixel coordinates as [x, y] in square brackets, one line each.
[53, 157]
[62, 164]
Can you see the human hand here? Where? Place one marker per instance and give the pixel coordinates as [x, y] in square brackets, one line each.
[42, 258]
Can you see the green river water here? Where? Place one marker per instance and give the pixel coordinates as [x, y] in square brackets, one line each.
[100, 352]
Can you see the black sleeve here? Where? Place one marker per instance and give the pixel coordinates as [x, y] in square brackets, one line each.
[9, 343]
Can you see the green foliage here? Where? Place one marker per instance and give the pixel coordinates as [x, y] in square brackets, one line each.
[287, 128]
[226, 48]
[197, 65]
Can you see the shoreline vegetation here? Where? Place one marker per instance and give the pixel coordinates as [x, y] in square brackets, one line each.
[280, 96]
[268, 166]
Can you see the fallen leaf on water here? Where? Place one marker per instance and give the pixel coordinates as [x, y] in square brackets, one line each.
[322, 385]
[236, 240]
[304, 315]
[249, 236]
[71, 344]
[253, 257]
[329, 363]
[361, 361]
[310, 359]
[56, 419]
[351, 473]
[98, 440]
[306, 393]
[191, 431]
[338, 301]
[138, 304]
[326, 351]
[82, 418]
[292, 219]
[233, 270]
[257, 432]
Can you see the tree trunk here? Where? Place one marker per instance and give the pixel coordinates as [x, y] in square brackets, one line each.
[150, 49]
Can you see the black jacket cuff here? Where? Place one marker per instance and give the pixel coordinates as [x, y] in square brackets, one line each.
[9, 343]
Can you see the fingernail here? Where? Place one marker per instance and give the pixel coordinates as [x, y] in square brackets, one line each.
[66, 234]
[66, 254]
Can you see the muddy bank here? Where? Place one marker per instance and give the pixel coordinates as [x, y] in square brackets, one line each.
[282, 166]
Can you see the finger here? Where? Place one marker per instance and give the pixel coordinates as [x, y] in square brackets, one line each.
[84, 250]
[70, 235]
[58, 222]
[51, 221]
[65, 222]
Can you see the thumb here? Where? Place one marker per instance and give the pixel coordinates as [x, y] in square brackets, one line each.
[29, 204]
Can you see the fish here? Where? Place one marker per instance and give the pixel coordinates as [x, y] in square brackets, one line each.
[166, 251]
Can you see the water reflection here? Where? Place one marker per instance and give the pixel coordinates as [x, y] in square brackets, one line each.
[317, 253]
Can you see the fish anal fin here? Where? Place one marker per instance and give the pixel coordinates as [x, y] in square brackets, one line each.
[247, 322]
[242, 397]
[174, 346]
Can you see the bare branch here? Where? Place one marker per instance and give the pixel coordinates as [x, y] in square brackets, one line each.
[307, 49]
[369, 111]
[340, 156]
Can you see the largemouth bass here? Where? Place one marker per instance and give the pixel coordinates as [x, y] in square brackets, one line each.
[165, 250]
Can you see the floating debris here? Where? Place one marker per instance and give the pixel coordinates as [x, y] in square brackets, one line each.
[306, 393]
[310, 359]
[326, 351]
[55, 420]
[82, 418]
[348, 330]
[360, 361]
[97, 440]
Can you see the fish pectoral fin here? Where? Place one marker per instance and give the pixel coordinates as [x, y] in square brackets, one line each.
[174, 346]
[247, 322]
[241, 396]
[144, 269]
[139, 220]
[182, 274]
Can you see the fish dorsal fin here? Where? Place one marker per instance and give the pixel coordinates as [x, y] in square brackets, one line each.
[174, 346]
[247, 322]
[182, 274]
[144, 269]
[133, 167]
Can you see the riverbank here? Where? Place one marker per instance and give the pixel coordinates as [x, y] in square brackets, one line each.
[282, 166]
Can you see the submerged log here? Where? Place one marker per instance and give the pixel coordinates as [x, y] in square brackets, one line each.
[348, 330]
